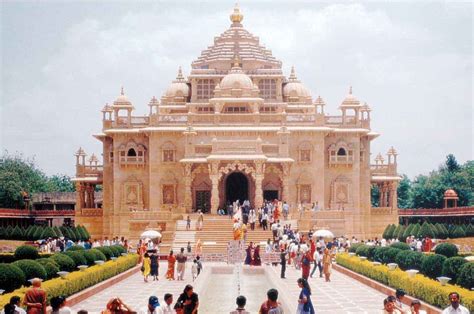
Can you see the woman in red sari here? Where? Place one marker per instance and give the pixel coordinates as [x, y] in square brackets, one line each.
[171, 262]
[306, 264]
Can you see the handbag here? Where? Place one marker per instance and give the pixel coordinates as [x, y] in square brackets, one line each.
[142, 269]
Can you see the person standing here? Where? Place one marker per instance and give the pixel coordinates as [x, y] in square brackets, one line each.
[283, 263]
[305, 306]
[189, 300]
[188, 247]
[146, 268]
[200, 221]
[317, 263]
[306, 265]
[286, 210]
[199, 264]
[327, 264]
[241, 301]
[154, 265]
[181, 259]
[167, 308]
[188, 223]
[271, 305]
[13, 307]
[35, 298]
[171, 262]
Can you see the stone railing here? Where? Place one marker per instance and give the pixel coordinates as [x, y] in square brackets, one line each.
[20, 213]
[149, 215]
[382, 210]
[452, 211]
[54, 197]
[91, 212]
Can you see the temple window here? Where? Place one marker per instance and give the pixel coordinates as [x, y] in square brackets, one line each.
[168, 155]
[131, 153]
[236, 109]
[305, 193]
[267, 88]
[268, 109]
[205, 109]
[341, 152]
[205, 88]
[304, 150]
[111, 156]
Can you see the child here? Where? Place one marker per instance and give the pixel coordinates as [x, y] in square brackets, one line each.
[188, 223]
[194, 269]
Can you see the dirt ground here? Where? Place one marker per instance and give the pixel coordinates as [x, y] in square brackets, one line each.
[465, 244]
[9, 245]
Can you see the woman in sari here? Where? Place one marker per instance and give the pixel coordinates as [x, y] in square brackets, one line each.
[327, 263]
[256, 257]
[237, 231]
[146, 267]
[171, 262]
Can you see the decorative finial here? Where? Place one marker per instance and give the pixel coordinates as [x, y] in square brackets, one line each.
[236, 17]
[236, 61]
[121, 91]
[293, 74]
[350, 90]
[180, 74]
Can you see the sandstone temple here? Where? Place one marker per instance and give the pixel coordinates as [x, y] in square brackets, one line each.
[236, 127]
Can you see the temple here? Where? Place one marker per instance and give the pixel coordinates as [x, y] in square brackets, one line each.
[236, 128]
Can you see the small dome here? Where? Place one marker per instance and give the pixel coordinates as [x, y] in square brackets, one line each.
[178, 88]
[295, 88]
[450, 193]
[236, 79]
[122, 100]
[350, 100]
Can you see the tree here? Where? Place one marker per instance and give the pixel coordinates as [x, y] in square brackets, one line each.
[403, 193]
[61, 183]
[374, 195]
[425, 231]
[452, 164]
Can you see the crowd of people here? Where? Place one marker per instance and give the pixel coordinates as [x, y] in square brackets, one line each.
[53, 245]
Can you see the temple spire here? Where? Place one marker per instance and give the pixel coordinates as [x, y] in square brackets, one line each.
[121, 91]
[236, 17]
[293, 77]
[350, 90]
[180, 76]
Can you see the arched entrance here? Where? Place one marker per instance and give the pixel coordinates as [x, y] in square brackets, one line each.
[236, 187]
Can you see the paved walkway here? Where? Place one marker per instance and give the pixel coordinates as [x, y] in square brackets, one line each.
[341, 295]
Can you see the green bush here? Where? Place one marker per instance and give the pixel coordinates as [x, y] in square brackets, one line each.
[31, 269]
[390, 254]
[379, 253]
[407, 232]
[409, 260]
[354, 247]
[2, 233]
[121, 249]
[425, 231]
[446, 249]
[466, 276]
[48, 232]
[76, 248]
[26, 252]
[115, 250]
[58, 231]
[452, 266]
[400, 234]
[363, 250]
[432, 265]
[99, 256]
[65, 262]
[106, 251]
[458, 232]
[89, 256]
[11, 277]
[77, 257]
[38, 233]
[387, 234]
[470, 230]
[8, 232]
[17, 233]
[400, 246]
[50, 266]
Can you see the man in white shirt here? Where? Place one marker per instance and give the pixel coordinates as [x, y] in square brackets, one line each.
[153, 306]
[455, 307]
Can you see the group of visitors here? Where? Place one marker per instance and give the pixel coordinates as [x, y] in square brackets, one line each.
[199, 222]
[61, 244]
[394, 304]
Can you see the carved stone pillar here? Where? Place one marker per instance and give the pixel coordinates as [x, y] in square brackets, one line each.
[259, 173]
[188, 201]
[286, 184]
[214, 175]
[380, 186]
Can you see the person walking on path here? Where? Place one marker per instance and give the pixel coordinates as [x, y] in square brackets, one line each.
[35, 298]
[305, 306]
[200, 221]
[146, 267]
[181, 259]
[306, 265]
[171, 262]
[283, 263]
[317, 258]
[327, 264]
[154, 265]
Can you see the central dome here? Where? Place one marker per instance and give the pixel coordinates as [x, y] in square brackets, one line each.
[236, 79]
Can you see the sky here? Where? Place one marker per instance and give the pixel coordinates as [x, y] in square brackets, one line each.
[410, 61]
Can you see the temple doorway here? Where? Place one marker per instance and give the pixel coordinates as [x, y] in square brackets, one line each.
[270, 195]
[203, 201]
[236, 187]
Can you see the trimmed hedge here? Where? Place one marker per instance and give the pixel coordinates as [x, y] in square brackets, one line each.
[65, 262]
[446, 249]
[466, 276]
[89, 256]
[77, 257]
[400, 246]
[26, 252]
[106, 251]
[432, 265]
[50, 266]
[354, 247]
[79, 280]
[452, 266]
[409, 260]
[420, 287]
[99, 256]
[31, 269]
[11, 277]
[41, 232]
[76, 248]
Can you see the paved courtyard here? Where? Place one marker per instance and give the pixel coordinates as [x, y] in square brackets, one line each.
[341, 295]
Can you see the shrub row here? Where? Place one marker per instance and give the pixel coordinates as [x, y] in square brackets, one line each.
[33, 233]
[78, 280]
[443, 263]
[47, 268]
[437, 231]
[420, 287]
